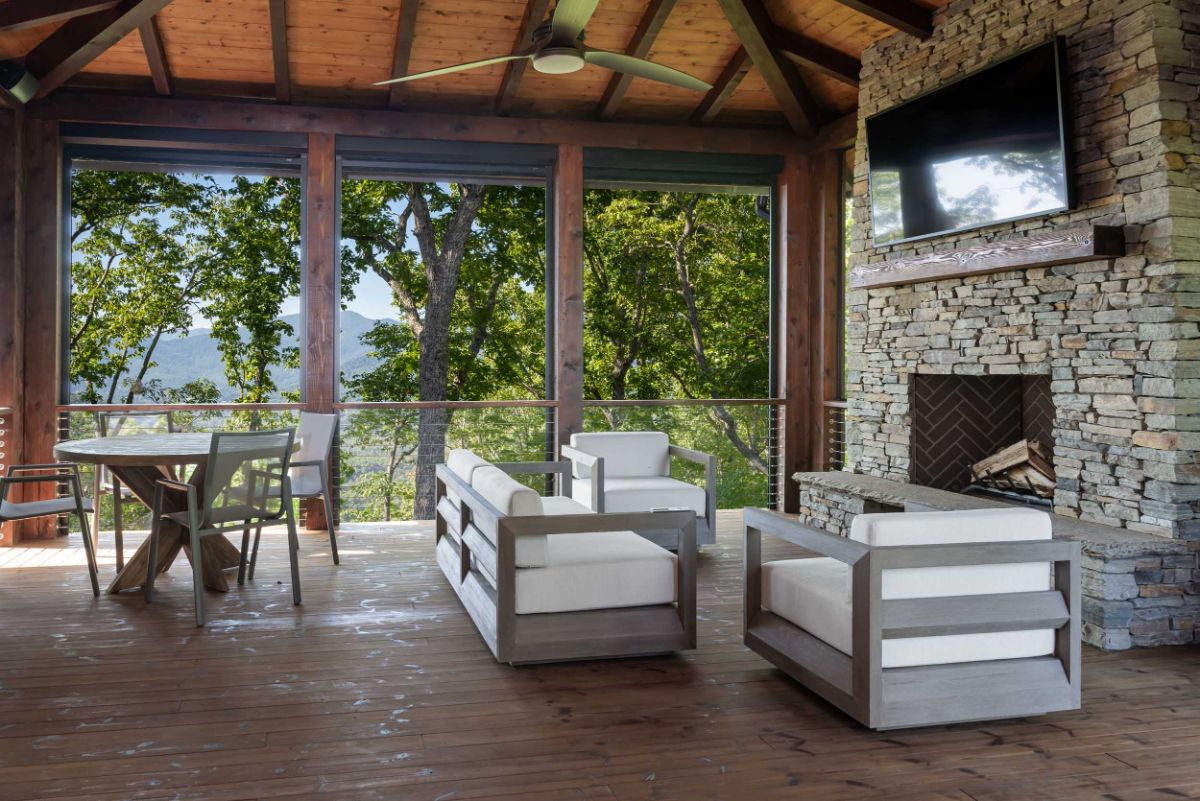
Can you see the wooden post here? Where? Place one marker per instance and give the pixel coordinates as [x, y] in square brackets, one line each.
[827, 190]
[797, 246]
[11, 343]
[42, 293]
[568, 296]
[320, 268]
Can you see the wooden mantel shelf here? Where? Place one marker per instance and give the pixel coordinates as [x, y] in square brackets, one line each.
[1064, 246]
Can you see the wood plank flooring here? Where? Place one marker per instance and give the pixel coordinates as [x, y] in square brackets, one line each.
[379, 688]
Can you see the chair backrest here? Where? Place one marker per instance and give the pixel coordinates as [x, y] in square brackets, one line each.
[115, 424]
[629, 454]
[242, 470]
[943, 528]
[315, 440]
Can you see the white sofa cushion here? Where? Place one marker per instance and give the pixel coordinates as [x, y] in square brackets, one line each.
[463, 463]
[642, 494]
[562, 505]
[512, 499]
[625, 453]
[597, 571]
[937, 528]
[811, 593]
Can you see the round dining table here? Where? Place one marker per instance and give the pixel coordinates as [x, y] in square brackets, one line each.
[139, 461]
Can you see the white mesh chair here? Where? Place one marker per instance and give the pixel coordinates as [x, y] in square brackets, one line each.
[75, 503]
[310, 473]
[115, 424]
[246, 485]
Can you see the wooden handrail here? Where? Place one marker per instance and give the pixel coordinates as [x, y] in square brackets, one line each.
[686, 402]
[498, 404]
[177, 407]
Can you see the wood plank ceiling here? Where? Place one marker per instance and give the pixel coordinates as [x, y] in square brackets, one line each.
[772, 62]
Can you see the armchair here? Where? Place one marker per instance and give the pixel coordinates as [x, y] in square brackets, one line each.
[630, 471]
[921, 618]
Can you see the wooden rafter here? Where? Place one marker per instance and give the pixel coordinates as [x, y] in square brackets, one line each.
[818, 56]
[755, 30]
[899, 14]
[279, 51]
[639, 47]
[535, 13]
[81, 39]
[156, 56]
[403, 50]
[729, 80]
[15, 16]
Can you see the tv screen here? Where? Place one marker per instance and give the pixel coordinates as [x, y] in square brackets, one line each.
[988, 148]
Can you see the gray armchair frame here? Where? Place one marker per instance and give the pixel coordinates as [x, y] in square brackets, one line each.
[64, 472]
[471, 528]
[706, 528]
[936, 694]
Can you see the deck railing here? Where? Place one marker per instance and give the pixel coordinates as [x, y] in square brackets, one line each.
[834, 434]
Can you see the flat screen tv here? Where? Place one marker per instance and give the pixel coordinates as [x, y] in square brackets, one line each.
[988, 148]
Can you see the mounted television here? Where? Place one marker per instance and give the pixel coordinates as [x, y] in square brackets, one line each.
[988, 148]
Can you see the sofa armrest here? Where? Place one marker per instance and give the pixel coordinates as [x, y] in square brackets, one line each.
[710, 477]
[596, 464]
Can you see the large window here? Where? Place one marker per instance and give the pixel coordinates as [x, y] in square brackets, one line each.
[184, 288]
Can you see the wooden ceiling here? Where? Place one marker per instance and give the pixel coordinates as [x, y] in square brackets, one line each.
[772, 62]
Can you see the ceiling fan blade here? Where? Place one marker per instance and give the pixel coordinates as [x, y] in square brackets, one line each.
[568, 19]
[619, 62]
[470, 65]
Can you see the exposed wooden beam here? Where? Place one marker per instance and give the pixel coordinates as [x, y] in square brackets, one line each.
[16, 16]
[535, 13]
[279, 51]
[731, 76]
[838, 134]
[80, 40]
[754, 28]
[403, 50]
[156, 56]
[818, 56]
[233, 115]
[639, 47]
[899, 14]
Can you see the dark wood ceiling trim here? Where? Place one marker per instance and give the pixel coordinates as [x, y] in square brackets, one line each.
[818, 55]
[16, 16]
[639, 47]
[81, 39]
[403, 51]
[156, 56]
[899, 14]
[754, 28]
[279, 51]
[731, 76]
[535, 14]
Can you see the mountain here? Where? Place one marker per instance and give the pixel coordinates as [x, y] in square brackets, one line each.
[180, 359]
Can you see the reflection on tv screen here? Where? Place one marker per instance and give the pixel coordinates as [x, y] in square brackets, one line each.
[985, 149]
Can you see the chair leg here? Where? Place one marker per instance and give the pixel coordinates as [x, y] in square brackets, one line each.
[155, 527]
[329, 524]
[118, 525]
[89, 546]
[197, 568]
[294, 554]
[242, 554]
[254, 553]
[97, 495]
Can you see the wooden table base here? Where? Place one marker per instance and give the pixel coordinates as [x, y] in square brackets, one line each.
[217, 553]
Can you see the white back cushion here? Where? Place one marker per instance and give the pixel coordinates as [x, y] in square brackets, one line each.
[940, 528]
[462, 463]
[625, 453]
[512, 499]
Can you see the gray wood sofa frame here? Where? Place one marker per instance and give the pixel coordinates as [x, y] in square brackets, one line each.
[895, 698]
[706, 528]
[560, 636]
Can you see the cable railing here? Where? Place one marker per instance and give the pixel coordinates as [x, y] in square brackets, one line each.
[834, 434]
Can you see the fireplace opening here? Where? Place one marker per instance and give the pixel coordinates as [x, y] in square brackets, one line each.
[984, 434]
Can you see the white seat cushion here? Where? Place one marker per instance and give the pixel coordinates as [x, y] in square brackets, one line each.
[462, 463]
[811, 593]
[512, 499]
[562, 505]
[642, 494]
[625, 453]
[597, 571]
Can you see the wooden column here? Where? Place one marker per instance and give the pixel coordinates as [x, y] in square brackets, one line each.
[10, 291]
[796, 235]
[827, 189]
[568, 295]
[320, 270]
[41, 295]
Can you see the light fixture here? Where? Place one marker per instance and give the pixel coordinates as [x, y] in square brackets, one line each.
[19, 81]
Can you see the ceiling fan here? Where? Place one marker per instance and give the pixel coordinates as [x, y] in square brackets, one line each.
[558, 48]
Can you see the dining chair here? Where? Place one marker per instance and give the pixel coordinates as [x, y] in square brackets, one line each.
[74, 503]
[246, 484]
[309, 472]
[114, 424]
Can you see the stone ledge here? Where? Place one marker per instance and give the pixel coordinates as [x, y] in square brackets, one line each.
[1105, 542]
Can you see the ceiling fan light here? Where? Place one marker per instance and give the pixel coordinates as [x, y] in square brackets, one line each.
[558, 60]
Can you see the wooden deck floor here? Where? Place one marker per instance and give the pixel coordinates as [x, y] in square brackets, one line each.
[378, 688]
